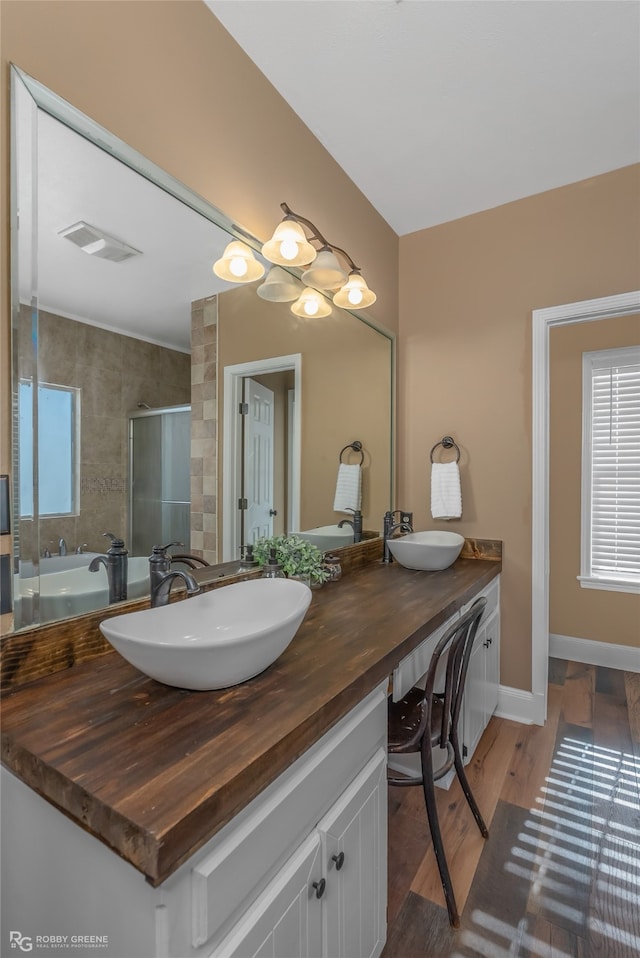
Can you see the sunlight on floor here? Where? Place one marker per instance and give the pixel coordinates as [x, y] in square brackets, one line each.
[567, 852]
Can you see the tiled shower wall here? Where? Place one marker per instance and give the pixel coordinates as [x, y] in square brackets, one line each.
[204, 464]
[115, 374]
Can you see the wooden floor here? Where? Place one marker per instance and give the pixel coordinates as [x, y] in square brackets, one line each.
[559, 875]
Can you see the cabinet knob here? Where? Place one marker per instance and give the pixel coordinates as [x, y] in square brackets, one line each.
[339, 860]
[319, 887]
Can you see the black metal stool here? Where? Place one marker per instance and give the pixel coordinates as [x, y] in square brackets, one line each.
[425, 719]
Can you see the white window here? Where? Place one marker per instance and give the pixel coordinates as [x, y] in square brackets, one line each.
[58, 445]
[610, 554]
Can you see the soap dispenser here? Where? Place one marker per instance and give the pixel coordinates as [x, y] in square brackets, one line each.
[247, 559]
[272, 568]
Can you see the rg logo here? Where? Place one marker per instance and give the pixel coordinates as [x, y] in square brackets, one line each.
[20, 941]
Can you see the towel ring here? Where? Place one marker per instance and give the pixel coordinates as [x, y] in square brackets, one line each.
[356, 445]
[447, 443]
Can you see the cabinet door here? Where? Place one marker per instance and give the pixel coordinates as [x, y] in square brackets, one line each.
[354, 853]
[286, 920]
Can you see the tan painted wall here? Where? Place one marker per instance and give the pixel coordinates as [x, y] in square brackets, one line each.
[581, 613]
[346, 384]
[467, 289]
[158, 75]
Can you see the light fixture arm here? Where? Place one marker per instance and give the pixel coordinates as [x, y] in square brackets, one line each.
[317, 235]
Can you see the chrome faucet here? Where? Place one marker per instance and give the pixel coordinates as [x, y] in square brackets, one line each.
[161, 577]
[62, 547]
[389, 527]
[115, 562]
[356, 525]
[161, 587]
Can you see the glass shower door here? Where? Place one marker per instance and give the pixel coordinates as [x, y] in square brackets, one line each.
[159, 478]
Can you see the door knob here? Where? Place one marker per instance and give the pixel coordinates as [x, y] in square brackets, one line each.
[273, 512]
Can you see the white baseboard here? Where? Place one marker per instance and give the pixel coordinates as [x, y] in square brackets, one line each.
[623, 657]
[520, 706]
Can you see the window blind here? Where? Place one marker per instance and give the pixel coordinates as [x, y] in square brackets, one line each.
[614, 468]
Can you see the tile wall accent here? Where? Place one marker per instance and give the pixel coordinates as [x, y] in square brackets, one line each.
[204, 427]
[114, 373]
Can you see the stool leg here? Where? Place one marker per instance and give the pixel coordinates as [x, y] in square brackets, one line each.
[466, 788]
[436, 835]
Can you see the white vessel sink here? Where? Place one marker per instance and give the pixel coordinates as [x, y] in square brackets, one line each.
[76, 591]
[216, 639]
[427, 551]
[328, 537]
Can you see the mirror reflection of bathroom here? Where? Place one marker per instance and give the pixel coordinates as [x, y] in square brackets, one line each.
[136, 318]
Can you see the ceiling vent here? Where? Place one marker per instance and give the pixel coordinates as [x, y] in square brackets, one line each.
[95, 242]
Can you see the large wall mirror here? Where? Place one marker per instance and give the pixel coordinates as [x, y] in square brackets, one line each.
[134, 368]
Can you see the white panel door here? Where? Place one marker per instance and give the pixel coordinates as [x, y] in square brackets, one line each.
[354, 842]
[286, 920]
[258, 460]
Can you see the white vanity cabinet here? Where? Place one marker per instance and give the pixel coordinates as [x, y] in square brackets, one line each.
[329, 899]
[287, 918]
[268, 883]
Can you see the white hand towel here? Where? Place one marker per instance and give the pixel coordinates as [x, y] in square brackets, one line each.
[446, 495]
[347, 488]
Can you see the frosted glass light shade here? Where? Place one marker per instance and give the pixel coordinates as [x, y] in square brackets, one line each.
[289, 245]
[311, 305]
[355, 294]
[325, 272]
[279, 286]
[238, 264]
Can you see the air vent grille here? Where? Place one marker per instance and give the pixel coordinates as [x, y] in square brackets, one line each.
[95, 242]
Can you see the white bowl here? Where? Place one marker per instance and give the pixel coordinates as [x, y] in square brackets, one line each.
[427, 551]
[214, 640]
[328, 537]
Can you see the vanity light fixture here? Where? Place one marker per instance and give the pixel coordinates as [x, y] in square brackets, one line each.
[325, 272]
[290, 246]
[311, 305]
[238, 264]
[279, 286]
[355, 294]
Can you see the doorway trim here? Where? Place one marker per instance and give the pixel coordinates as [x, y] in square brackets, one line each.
[233, 377]
[543, 320]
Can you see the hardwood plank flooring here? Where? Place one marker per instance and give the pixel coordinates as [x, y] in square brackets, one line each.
[559, 876]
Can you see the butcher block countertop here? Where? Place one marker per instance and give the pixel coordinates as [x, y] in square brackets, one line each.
[154, 772]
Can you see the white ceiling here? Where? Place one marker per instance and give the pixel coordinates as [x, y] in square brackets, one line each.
[441, 108]
[149, 296]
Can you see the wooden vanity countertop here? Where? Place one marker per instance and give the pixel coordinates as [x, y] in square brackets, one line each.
[154, 772]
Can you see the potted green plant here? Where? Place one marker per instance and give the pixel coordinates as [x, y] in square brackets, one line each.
[298, 558]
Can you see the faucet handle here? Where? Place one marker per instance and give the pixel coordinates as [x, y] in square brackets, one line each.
[160, 550]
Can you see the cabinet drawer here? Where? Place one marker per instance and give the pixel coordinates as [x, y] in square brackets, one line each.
[250, 849]
[411, 669]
